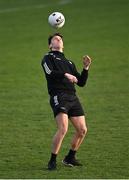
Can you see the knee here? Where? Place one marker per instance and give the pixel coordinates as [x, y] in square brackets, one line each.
[63, 131]
[82, 131]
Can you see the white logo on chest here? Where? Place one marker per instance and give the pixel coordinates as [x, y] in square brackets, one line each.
[58, 58]
[70, 62]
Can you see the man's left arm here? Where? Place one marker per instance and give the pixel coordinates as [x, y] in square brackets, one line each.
[82, 78]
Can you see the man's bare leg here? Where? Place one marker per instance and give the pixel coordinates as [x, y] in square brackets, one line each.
[62, 125]
[81, 129]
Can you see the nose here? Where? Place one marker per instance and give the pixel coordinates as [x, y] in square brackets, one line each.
[58, 39]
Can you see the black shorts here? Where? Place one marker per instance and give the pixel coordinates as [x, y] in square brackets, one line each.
[66, 103]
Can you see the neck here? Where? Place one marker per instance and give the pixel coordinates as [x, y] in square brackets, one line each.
[57, 49]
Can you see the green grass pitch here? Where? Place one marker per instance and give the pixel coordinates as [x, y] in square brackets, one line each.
[98, 28]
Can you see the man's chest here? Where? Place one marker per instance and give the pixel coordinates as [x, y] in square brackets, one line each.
[63, 65]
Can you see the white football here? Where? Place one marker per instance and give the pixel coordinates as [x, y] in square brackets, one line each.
[56, 19]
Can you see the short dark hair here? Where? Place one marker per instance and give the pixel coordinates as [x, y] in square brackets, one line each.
[51, 36]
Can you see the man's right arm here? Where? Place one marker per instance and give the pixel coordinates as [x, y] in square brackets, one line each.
[47, 64]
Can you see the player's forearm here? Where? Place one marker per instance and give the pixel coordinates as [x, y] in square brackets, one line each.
[71, 78]
[82, 79]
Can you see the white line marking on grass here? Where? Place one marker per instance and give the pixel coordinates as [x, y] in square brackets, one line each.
[65, 2]
[40, 6]
[22, 8]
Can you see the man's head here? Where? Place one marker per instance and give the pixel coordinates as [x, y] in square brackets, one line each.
[55, 42]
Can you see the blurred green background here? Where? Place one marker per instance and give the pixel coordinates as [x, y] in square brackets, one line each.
[98, 28]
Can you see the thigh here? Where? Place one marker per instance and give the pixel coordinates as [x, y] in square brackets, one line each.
[78, 122]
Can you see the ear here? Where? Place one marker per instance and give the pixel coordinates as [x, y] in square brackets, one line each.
[50, 46]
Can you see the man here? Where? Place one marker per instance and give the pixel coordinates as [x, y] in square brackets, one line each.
[61, 75]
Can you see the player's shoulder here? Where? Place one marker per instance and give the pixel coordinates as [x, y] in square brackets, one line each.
[70, 62]
[49, 55]
[46, 57]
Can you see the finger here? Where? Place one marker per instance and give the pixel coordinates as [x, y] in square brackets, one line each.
[86, 57]
[75, 80]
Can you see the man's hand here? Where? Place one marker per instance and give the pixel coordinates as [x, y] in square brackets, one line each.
[86, 62]
[71, 78]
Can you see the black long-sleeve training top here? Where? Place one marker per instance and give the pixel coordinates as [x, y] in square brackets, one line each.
[55, 65]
